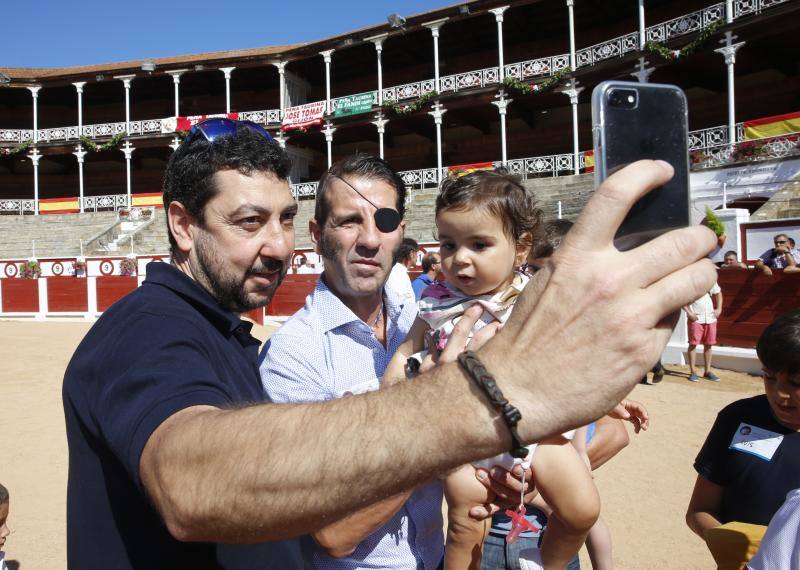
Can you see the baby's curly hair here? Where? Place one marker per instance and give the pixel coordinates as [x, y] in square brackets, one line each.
[498, 193]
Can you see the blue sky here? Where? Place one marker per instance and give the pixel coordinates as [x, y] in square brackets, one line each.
[59, 33]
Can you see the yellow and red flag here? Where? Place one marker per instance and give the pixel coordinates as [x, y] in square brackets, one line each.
[588, 161]
[774, 126]
[462, 169]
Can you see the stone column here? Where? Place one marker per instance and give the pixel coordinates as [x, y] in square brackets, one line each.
[35, 157]
[281, 65]
[642, 28]
[571, 10]
[378, 41]
[728, 51]
[434, 28]
[227, 71]
[126, 81]
[34, 89]
[572, 90]
[79, 88]
[176, 79]
[501, 104]
[380, 122]
[328, 132]
[437, 114]
[326, 56]
[498, 16]
[641, 71]
[80, 154]
[127, 149]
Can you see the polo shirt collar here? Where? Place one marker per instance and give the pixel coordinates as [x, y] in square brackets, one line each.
[333, 313]
[166, 275]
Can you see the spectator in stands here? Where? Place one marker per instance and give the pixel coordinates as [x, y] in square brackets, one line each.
[430, 268]
[731, 261]
[4, 530]
[406, 258]
[349, 329]
[781, 256]
[174, 463]
[751, 458]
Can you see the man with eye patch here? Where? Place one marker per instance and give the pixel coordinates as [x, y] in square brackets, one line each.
[349, 329]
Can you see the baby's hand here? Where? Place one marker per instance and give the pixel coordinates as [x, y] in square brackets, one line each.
[632, 411]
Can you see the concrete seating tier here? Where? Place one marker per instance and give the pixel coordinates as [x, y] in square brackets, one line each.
[56, 235]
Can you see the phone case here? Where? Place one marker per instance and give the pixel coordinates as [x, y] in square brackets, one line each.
[655, 127]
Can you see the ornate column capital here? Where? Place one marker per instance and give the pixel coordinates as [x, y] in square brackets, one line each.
[79, 86]
[281, 138]
[570, 3]
[729, 51]
[434, 26]
[176, 142]
[127, 149]
[227, 71]
[328, 131]
[35, 157]
[378, 41]
[34, 89]
[126, 80]
[437, 113]
[176, 74]
[281, 65]
[498, 12]
[502, 102]
[380, 122]
[642, 72]
[79, 153]
[326, 55]
[572, 91]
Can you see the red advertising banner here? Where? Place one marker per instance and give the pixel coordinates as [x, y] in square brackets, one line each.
[173, 124]
[303, 116]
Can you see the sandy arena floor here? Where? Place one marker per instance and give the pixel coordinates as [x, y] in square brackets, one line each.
[645, 489]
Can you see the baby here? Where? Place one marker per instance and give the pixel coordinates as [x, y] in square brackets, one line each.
[486, 222]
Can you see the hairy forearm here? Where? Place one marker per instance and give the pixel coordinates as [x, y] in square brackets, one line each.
[270, 471]
[342, 537]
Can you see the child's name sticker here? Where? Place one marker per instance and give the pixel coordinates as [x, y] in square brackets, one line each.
[756, 441]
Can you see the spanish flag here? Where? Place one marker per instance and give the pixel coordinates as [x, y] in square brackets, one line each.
[148, 199]
[774, 126]
[58, 205]
[462, 169]
[588, 161]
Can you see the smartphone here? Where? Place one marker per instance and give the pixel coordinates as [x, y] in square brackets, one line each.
[633, 121]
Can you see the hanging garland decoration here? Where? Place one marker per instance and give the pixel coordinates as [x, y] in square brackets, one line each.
[687, 50]
[16, 149]
[113, 143]
[181, 135]
[547, 85]
[408, 108]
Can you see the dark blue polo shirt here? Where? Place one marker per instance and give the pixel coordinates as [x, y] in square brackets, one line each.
[165, 347]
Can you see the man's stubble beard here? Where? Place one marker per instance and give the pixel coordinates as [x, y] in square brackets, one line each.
[329, 249]
[228, 290]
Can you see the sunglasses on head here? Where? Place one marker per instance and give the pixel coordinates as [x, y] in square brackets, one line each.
[212, 129]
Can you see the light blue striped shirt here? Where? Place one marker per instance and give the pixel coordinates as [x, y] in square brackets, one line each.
[322, 352]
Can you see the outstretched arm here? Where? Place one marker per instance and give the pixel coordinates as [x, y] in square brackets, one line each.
[271, 471]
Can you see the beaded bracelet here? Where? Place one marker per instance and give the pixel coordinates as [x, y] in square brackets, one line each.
[477, 372]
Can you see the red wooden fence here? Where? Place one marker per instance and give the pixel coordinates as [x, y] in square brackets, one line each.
[751, 301]
[111, 288]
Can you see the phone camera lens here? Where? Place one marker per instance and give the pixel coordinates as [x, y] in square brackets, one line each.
[624, 98]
